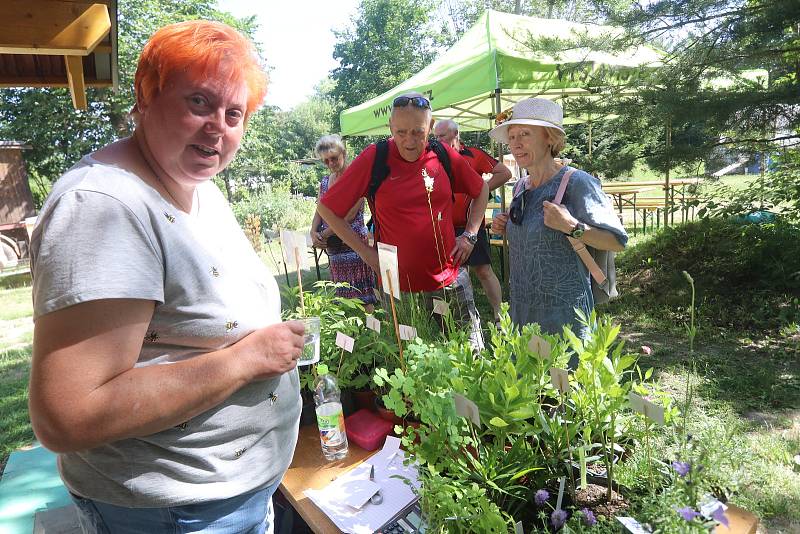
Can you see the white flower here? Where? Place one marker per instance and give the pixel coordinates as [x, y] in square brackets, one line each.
[428, 181]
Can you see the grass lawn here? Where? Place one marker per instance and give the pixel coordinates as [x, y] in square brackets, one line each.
[746, 402]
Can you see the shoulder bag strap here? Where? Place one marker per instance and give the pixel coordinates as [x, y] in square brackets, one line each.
[577, 245]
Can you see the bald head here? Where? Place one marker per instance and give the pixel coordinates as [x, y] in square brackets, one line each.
[410, 123]
[446, 132]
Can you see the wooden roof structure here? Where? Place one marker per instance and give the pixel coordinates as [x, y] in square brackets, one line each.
[59, 43]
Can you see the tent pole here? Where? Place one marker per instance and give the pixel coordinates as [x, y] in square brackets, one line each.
[496, 107]
[667, 189]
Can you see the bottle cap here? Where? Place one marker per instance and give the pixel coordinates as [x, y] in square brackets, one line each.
[322, 369]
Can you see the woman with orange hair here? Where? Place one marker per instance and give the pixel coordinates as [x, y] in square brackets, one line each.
[162, 373]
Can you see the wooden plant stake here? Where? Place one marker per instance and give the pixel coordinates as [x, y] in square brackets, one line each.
[299, 281]
[394, 317]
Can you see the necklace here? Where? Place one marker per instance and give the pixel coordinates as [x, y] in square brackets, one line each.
[158, 177]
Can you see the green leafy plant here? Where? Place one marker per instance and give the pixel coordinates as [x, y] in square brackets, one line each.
[602, 382]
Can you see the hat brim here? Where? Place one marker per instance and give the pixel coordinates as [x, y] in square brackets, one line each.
[500, 132]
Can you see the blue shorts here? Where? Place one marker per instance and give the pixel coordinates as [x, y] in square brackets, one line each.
[250, 513]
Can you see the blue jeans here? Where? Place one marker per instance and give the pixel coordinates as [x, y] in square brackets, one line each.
[250, 513]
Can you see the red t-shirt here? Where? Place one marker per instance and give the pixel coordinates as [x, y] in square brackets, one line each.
[482, 163]
[402, 213]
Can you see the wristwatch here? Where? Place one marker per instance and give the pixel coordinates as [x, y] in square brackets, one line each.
[472, 238]
[578, 230]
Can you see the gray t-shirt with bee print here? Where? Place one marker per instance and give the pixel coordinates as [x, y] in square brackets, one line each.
[104, 233]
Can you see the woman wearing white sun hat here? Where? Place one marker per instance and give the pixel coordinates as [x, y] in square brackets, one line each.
[548, 279]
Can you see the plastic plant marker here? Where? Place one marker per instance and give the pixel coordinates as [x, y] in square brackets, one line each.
[387, 258]
[582, 461]
[345, 342]
[440, 307]
[407, 333]
[540, 346]
[560, 380]
[561, 484]
[633, 525]
[518, 528]
[467, 408]
[648, 409]
[373, 324]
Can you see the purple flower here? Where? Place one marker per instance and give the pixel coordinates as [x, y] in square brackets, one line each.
[541, 497]
[719, 516]
[558, 518]
[588, 517]
[687, 513]
[682, 468]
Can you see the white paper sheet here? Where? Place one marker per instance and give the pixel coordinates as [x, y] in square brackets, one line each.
[396, 493]
[290, 241]
[387, 258]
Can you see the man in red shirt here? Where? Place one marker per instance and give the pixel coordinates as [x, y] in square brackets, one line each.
[446, 131]
[413, 207]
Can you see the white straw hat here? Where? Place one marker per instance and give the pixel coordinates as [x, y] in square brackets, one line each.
[531, 111]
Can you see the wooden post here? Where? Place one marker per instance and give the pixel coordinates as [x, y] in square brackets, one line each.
[667, 188]
[299, 281]
[394, 317]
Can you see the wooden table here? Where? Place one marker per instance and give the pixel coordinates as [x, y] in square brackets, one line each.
[310, 469]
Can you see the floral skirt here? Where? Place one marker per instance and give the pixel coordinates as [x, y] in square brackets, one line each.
[347, 266]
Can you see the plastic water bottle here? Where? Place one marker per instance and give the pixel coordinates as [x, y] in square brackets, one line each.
[330, 417]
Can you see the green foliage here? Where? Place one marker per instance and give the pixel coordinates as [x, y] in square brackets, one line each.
[276, 208]
[335, 315]
[527, 432]
[777, 191]
[747, 275]
[388, 42]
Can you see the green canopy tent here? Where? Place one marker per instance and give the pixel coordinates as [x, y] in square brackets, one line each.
[491, 67]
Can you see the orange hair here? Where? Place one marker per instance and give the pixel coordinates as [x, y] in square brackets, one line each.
[199, 48]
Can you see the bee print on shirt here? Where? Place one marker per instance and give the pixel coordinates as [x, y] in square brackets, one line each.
[273, 398]
[230, 325]
[170, 218]
[214, 272]
[151, 337]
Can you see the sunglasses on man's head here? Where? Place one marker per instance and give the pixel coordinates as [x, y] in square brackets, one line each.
[416, 101]
[516, 211]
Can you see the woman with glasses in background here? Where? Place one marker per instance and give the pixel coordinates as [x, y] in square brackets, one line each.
[548, 279]
[344, 263]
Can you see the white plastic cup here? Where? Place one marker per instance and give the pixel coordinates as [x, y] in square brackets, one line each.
[310, 353]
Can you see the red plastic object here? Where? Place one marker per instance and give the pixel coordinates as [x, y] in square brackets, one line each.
[367, 430]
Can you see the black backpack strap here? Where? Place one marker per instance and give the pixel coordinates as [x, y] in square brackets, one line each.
[380, 169]
[444, 158]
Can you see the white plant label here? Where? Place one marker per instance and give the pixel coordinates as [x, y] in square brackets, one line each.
[467, 408]
[387, 258]
[294, 248]
[645, 407]
[407, 333]
[560, 492]
[373, 323]
[343, 341]
[560, 380]
[539, 346]
[633, 525]
[518, 528]
[440, 307]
